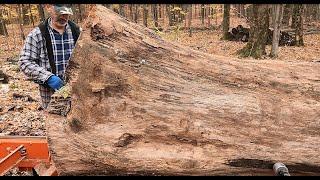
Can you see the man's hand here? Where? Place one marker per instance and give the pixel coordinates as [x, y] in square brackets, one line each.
[55, 82]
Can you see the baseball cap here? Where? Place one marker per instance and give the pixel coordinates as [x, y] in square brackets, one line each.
[63, 8]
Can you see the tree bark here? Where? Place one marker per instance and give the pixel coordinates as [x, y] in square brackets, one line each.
[226, 20]
[24, 12]
[145, 15]
[121, 10]
[277, 13]
[256, 47]
[80, 12]
[146, 106]
[155, 15]
[3, 27]
[202, 14]
[41, 12]
[131, 12]
[286, 14]
[190, 20]
[31, 16]
[20, 22]
[298, 26]
[136, 13]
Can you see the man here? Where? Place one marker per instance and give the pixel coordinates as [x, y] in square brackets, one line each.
[47, 50]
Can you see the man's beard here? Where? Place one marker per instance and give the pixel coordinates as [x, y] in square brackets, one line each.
[61, 21]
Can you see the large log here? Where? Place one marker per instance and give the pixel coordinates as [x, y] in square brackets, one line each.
[145, 106]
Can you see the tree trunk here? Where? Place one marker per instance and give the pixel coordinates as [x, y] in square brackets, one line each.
[170, 14]
[226, 20]
[256, 47]
[80, 12]
[242, 10]
[155, 15]
[294, 19]
[31, 16]
[146, 106]
[3, 27]
[25, 17]
[277, 14]
[202, 14]
[209, 15]
[136, 13]
[41, 12]
[121, 10]
[238, 10]
[145, 15]
[286, 14]
[190, 20]
[298, 26]
[131, 12]
[318, 12]
[20, 22]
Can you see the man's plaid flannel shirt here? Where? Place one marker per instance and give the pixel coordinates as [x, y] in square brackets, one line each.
[34, 60]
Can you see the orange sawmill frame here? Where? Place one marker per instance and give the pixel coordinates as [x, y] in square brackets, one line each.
[27, 153]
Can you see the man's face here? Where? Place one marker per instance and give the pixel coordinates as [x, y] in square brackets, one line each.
[60, 20]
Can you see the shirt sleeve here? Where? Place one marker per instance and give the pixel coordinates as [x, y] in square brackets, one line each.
[29, 57]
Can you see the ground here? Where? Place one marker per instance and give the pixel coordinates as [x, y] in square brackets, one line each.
[19, 99]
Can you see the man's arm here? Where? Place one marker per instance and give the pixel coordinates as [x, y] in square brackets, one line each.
[29, 57]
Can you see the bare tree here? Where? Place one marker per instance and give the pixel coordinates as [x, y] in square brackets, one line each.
[298, 25]
[226, 20]
[131, 12]
[3, 28]
[202, 14]
[145, 15]
[121, 10]
[20, 22]
[259, 25]
[41, 12]
[155, 15]
[136, 13]
[277, 16]
[31, 16]
[190, 19]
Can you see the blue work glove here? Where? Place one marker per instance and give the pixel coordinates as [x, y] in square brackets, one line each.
[55, 82]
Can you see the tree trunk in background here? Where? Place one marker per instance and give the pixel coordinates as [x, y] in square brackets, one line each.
[3, 28]
[256, 47]
[121, 10]
[209, 15]
[226, 20]
[160, 11]
[299, 24]
[238, 10]
[242, 10]
[136, 13]
[31, 16]
[145, 15]
[287, 11]
[155, 15]
[202, 14]
[277, 14]
[294, 18]
[25, 17]
[20, 22]
[80, 12]
[131, 12]
[146, 106]
[190, 20]
[41, 12]
[170, 14]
